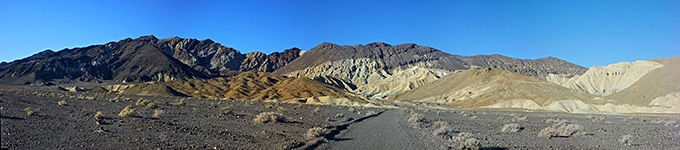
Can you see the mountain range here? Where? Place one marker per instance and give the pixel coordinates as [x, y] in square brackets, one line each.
[357, 74]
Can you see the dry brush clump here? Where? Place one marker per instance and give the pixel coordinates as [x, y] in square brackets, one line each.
[30, 112]
[444, 131]
[626, 139]
[464, 140]
[61, 103]
[157, 113]
[99, 115]
[371, 112]
[416, 119]
[513, 127]
[562, 129]
[267, 117]
[316, 132]
[226, 111]
[127, 111]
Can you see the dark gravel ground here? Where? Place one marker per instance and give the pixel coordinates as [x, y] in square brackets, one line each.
[200, 124]
[197, 124]
[648, 131]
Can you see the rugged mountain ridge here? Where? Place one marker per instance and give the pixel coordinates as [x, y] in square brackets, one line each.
[124, 61]
[215, 59]
[143, 59]
[357, 68]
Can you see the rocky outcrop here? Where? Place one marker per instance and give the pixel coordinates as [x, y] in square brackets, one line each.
[269, 63]
[607, 80]
[215, 59]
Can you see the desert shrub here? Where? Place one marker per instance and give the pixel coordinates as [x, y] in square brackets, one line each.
[513, 127]
[625, 140]
[443, 131]
[152, 105]
[99, 115]
[416, 118]
[267, 117]
[316, 132]
[561, 130]
[142, 101]
[520, 119]
[438, 124]
[158, 113]
[127, 112]
[225, 110]
[339, 115]
[352, 109]
[281, 109]
[316, 110]
[61, 103]
[180, 102]
[370, 113]
[213, 105]
[30, 112]
[268, 106]
[473, 117]
[465, 140]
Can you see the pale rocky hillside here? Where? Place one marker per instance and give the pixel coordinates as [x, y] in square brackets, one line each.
[601, 80]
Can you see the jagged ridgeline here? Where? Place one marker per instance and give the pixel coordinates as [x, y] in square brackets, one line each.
[379, 70]
[150, 59]
[143, 59]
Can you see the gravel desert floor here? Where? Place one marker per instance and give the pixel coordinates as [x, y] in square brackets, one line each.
[46, 118]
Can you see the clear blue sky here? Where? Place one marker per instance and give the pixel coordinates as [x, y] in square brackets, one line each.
[585, 32]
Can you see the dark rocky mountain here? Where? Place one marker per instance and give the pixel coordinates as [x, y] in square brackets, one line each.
[143, 59]
[539, 68]
[124, 61]
[389, 57]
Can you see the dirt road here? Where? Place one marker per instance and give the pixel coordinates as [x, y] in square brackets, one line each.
[388, 130]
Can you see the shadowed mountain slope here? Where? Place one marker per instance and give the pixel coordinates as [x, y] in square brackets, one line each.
[143, 59]
[124, 61]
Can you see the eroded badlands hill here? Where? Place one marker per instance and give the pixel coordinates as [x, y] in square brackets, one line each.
[251, 85]
[483, 87]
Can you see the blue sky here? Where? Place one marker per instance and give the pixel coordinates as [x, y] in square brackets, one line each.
[586, 33]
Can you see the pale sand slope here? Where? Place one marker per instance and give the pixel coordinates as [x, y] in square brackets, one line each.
[364, 76]
[381, 87]
[483, 87]
[657, 83]
[601, 80]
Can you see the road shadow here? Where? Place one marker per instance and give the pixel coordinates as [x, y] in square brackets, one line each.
[12, 118]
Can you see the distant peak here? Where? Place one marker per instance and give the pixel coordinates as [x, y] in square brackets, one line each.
[378, 44]
[147, 38]
[326, 44]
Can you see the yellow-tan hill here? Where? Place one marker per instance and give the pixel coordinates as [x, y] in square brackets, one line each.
[483, 87]
[251, 85]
